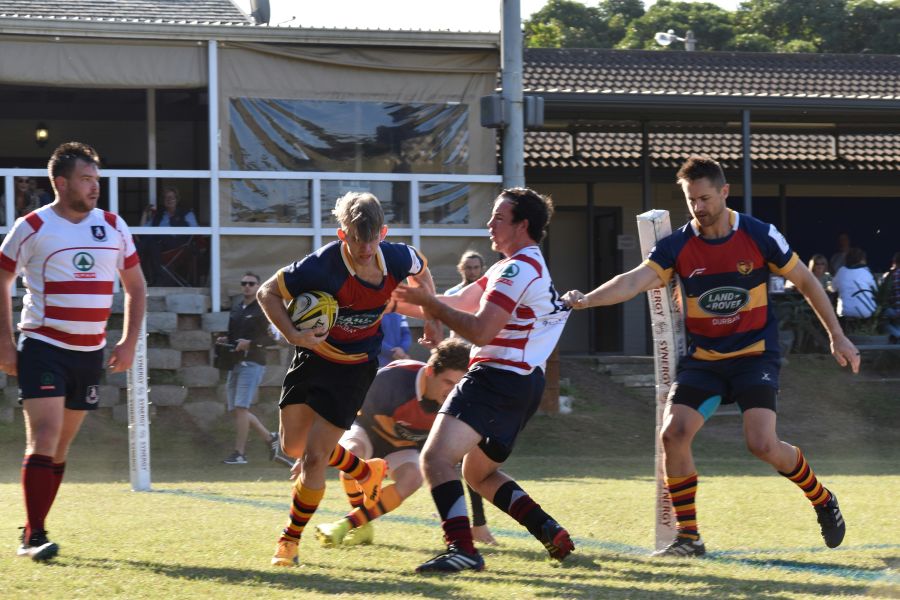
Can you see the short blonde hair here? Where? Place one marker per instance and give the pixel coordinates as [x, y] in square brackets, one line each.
[360, 214]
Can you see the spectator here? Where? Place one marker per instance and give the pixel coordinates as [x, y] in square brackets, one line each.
[396, 340]
[839, 258]
[855, 287]
[248, 336]
[470, 268]
[818, 264]
[44, 197]
[171, 215]
[159, 252]
[892, 312]
[26, 200]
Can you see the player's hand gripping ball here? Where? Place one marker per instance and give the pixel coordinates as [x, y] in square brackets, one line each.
[313, 309]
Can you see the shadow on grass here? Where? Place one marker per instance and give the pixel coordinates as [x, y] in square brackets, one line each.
[582, 579]
[287, 579]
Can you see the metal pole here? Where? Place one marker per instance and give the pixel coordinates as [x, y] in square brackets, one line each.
[514, 132]
[646, 165]
[745, 149]
[215, 258]
[151, 143]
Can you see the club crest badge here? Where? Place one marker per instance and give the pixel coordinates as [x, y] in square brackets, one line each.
[99, 232]
[745, 267]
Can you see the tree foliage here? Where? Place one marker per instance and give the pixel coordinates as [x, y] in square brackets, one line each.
[835, 26]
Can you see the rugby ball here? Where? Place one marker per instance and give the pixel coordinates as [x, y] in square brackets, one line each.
[311, 309]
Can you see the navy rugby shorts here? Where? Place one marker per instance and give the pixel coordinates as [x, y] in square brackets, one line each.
[46, 371]
[749, 381]
[497, 404]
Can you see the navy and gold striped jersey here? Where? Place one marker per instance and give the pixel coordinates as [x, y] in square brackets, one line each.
[725, 285]
[356, 335]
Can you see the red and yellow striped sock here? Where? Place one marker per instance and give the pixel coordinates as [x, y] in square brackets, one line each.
[354, 494]
[349, 463]
[390, 500]
[683, 490]
[304, 503]
[806, 480]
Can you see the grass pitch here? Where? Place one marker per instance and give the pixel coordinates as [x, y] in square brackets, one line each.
[208, 530]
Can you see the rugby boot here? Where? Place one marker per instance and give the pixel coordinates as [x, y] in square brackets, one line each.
[364, 534]
[556, 540]
[285, 553]
[371, 487]
[453, 560]
[831, 521]
[37, 547]
[684, 547]
[333, 534]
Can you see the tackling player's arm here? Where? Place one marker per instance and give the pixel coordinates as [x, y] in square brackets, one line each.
[271, 300]
[8, 356]
[433, 331]
[479, 328]
[135, 306]
[618, 289]
[842, 349]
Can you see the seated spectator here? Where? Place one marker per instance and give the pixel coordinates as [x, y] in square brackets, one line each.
[26, 199]
[159, 252]
[855, 287]
[44, 197]
[892, 312]
[397, 338]
[818, 265]
[171, 216]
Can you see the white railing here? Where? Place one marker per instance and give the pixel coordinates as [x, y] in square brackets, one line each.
[315, 229]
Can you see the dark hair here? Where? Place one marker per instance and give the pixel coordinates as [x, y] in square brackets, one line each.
[528, 204]
[700, 167]
[896, 259]
[253, 275]
[452, 353]
[465, 257]
[855, 256]
[62, 161]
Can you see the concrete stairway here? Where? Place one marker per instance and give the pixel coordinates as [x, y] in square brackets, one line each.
[633, 372]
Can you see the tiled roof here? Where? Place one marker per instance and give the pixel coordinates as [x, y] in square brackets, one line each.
[660, 73]
[769, 152]
[223, 12]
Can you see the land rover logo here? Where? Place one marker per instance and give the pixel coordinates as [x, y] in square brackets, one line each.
[83, 261]
[723, 301]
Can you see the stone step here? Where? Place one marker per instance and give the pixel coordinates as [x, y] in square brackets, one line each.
[624, 369]
[641, 380]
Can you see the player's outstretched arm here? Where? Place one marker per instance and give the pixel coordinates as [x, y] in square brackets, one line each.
[479, 328]
[8, 356]
[135, 306]
[842, 349]
[272, 303]
[433, 332]
[618, 289]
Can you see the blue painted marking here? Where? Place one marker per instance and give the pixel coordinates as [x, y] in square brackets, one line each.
[733, 557]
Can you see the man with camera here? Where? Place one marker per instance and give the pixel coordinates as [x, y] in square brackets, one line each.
[243, 354]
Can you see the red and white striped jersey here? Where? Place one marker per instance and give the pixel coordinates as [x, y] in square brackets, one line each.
[521, 285]
[68, 269]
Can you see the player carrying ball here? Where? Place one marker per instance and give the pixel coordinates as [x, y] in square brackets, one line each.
[331, 371]
[723, 259]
